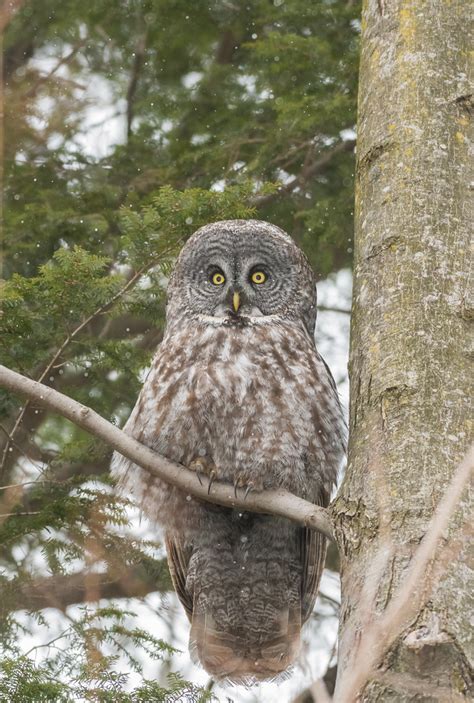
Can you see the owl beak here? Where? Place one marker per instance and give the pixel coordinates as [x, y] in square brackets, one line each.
[236, 301]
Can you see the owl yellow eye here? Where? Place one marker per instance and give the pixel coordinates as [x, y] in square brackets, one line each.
[217, 278]
[258, 277]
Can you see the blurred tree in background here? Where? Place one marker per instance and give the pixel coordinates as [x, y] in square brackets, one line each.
[215, 110]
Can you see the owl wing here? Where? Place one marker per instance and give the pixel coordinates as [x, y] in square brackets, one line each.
[179, 555]
[313, 546]
[313, 556]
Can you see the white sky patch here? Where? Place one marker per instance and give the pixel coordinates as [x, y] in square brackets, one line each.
[198, 139]
[219, 185]
[347, 134]
[238, 165]
[167, 126]
[103, 117]
[284, 176]
[191, 80]
[333, 328]
[104, 124]
[249, 83]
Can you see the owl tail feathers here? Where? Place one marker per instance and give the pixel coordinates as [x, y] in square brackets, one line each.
[243, 659]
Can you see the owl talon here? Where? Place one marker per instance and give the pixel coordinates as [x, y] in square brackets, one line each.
[239, 483]
[211, 481]
[201, 468]
[197, 467]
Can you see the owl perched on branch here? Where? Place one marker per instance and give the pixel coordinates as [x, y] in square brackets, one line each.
[238, 392]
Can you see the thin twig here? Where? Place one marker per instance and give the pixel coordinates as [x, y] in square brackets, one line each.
[29, 483]
[330, 599]
[43, 79]
[277, 502]
[19, 449]
[307, 172]
[138, 61]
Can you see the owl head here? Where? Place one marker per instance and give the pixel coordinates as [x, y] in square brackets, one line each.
[242, 272]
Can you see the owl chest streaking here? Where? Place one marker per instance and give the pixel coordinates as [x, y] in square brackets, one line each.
[238, 391]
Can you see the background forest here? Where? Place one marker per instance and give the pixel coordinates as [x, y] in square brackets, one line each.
[127, 126]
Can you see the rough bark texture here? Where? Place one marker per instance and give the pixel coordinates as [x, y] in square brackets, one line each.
[409, 357]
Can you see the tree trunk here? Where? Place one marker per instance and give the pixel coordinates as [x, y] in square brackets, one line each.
[409, 364]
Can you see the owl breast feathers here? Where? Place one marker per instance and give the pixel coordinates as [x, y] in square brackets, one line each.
[238, 391]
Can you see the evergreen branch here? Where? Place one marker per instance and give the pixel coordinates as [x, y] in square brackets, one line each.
[58, 353]
[308, 171]
[23, 496]
[276, 502]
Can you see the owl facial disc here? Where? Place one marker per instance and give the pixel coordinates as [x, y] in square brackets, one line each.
[241, 272]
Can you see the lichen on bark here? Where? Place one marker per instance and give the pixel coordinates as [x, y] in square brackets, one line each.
[409, 366]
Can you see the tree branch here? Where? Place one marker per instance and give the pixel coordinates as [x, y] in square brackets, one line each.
[58, 353]
[313, 694]
[31, 92]
[307, 172]
[138, 61]
[61, 591]
[276, 502]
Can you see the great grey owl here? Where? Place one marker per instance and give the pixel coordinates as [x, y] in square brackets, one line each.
[238, 391]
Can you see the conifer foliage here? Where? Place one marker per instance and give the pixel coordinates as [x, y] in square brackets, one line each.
[212, 110]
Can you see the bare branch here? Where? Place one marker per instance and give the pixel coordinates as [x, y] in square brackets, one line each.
[273, 502]
[25, 513]
[61, 591]
[31, 92]
[138, 61]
